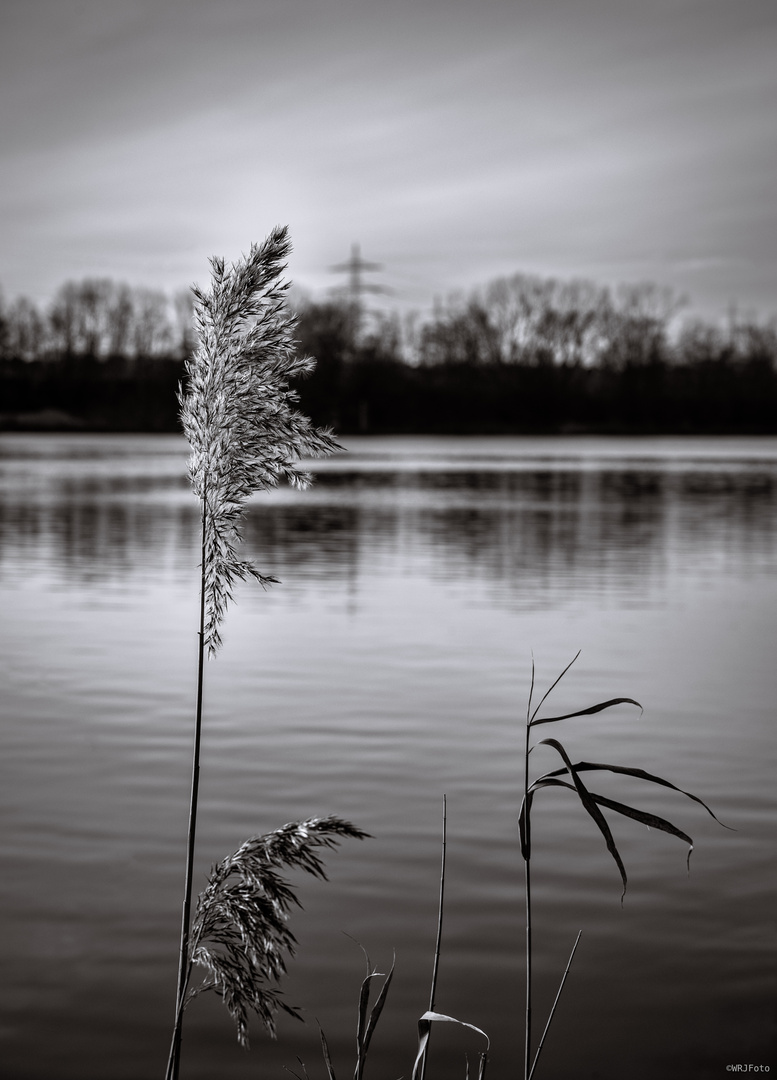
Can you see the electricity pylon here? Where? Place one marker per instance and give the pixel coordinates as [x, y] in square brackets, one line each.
[356, 287]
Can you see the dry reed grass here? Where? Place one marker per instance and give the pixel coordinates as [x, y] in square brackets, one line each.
[238, 413]
[240, 932]
[238, 409]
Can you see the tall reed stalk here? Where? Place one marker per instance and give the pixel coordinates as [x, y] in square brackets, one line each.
[431, 1015]
[438, 940]
[591, 803]
[245, 434]
[526, 840]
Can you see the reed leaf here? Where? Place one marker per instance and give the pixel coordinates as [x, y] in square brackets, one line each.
[424, 1029]
[590, 807]
[640, 774]
[240, 933]
[238, 409]
[296, 1074]
[327, 1056]
[531, 715]
[367, 1022]
[652, 821]
[483, 1059]
[524, 832]
[367, 1018]
[587, 712]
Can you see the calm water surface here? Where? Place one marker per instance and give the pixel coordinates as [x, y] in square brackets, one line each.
[391, 666]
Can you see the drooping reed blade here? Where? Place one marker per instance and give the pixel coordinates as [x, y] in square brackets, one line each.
[592, 804]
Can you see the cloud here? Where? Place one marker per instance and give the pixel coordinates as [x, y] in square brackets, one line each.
[454, 141]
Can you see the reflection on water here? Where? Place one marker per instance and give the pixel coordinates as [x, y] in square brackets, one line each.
[391, 666]
[528, 529]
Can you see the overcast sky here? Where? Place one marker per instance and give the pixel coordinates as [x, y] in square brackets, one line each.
[620, 140]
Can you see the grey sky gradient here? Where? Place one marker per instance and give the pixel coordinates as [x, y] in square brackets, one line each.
[455, 141]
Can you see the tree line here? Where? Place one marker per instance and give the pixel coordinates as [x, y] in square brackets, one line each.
[99, 319]
[522, 354]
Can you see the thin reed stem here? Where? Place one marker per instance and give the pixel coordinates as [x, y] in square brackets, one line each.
[435, 968]
[433, 991]
[237, 412]
[527, 880]
[184, 963]
[555, 1003]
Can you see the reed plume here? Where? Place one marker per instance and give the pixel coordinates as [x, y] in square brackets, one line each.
[240, 932]
[238, 413]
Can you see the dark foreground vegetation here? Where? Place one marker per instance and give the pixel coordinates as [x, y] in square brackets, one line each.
[520, 356]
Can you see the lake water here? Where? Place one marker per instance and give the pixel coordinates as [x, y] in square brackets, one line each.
[392, 666]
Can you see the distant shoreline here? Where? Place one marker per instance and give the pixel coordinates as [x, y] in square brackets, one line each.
[378, 395]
